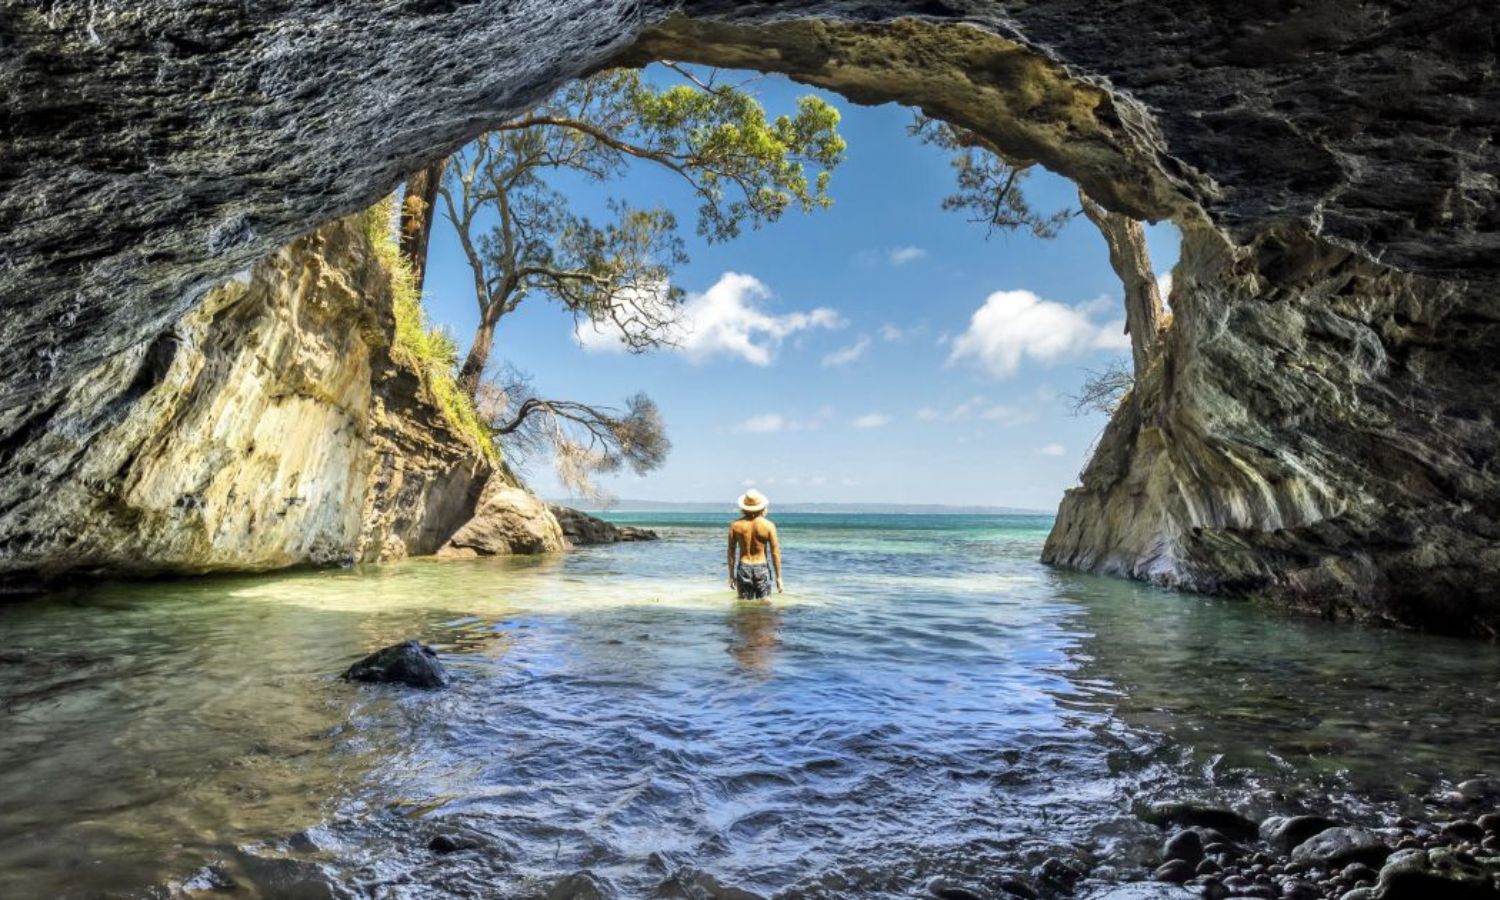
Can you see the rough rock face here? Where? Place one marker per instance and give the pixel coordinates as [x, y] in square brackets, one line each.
[124, 195]
[268, 427]
[507, 520]
[1319, 428]
[583, 529]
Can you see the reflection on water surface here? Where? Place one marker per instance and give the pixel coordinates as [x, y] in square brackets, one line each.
[930, 701]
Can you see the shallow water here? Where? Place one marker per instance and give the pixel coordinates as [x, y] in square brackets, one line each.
[926, 700]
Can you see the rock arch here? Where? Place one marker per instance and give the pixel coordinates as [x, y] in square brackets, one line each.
[1320, 429]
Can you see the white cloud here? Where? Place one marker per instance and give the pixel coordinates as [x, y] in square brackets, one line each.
[1053, 450]
[846, 355]
[977, 407]
[900, 256]
[1164, 284]
[817, 480]
[889, 332]
[727, 320]
[748, 482]
[871, 420]
[848, 482]
[766, 424]
[1015, 325]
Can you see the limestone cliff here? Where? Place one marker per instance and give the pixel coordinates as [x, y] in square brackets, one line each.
[1318, 430]
[271, 426]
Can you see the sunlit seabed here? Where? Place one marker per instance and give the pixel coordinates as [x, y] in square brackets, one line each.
[926, 699]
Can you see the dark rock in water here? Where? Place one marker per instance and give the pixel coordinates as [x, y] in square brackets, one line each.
[1340, 846]
[1286, 832]
[1214, 889]
[1061, 872]
[1489, 822]
[1175, 871]
[1463, 830]
[1477, 790]
[946, 890]
[1433, 874]
[1184, 845]
[1354, 873]
[1182, 815]
[1362, 893]
[452, 843]
[288, 879]
[1014, 887]
[405, 663]
[582, 529]
[579, 886]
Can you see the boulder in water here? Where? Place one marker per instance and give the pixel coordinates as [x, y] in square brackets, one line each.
[1336, 847]
[1439, 872]
[406, 663]
[1286, 832]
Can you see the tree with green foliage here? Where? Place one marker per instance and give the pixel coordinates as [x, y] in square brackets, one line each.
[744, 168]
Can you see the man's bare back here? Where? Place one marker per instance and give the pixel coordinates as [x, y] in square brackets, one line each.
[753, 546]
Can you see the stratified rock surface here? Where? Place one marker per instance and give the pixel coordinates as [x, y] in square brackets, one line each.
[269, 427]
[583, 529]
[1318, 430]
[508, 520]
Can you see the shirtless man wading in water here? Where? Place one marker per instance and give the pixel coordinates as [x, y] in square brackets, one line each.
[749, 569]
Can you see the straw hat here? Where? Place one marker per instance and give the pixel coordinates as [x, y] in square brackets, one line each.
[753, 501]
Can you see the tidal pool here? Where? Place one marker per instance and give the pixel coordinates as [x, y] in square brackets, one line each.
[926, 700]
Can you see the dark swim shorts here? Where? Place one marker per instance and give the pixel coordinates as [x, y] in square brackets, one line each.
[754, 582]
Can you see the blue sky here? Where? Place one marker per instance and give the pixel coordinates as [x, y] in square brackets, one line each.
[882, 350]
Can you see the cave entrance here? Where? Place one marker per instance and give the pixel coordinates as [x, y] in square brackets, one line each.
[810, 308]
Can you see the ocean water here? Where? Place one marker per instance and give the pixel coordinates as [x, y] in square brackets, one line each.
[926, 700]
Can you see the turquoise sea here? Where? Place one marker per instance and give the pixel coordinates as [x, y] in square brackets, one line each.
[926, 700]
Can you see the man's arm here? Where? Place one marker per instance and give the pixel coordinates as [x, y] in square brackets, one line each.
[776, 555]
[733, 541]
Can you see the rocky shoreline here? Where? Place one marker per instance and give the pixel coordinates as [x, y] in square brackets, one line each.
[1215, 853]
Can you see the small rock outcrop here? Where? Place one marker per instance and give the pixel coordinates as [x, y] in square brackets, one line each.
[583, 529]
[409, 663]
[508, 520]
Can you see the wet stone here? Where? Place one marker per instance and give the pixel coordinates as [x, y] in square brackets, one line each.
[1185, 845]
[1336, 847]
[1182, 815]
[1440, 872]
[1014, 887]
[1463, 830]
[1297, 889]
[1490, 822]
[407, 663]
[1175, 871]
[1286, 832]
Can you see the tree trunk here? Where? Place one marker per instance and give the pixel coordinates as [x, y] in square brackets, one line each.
[1131, 261]
[418, 207]
[479, 356]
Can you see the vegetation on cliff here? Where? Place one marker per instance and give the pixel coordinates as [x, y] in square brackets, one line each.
[429, 349]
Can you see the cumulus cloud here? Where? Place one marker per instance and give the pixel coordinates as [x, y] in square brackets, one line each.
[1053, 450]
[1164, 284]
[846, 355]
[900, 256]
[727, 320]
[871, 420]
[889, 332]
[1013, 326]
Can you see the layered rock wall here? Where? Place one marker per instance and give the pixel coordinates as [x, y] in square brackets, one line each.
[1318, 430]
[268, 427]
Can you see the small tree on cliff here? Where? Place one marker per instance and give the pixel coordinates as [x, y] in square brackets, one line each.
[584, 440]
[744, 168]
